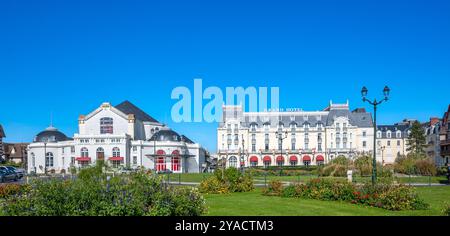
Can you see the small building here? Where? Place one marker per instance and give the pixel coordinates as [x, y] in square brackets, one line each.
[392, 141]
[15, 152]
[432, 131]
[445, 137]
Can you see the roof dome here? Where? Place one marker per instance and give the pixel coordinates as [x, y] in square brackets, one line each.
[166, 135]
[50, 135]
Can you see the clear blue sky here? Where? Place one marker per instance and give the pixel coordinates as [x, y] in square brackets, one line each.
[67, 57]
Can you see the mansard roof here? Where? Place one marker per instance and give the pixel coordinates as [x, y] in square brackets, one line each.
[358, 118]
[129, 108]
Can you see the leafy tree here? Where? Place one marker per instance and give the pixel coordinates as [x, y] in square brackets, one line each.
[416, 140]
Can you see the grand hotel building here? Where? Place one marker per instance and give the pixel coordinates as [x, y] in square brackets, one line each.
[293, 138]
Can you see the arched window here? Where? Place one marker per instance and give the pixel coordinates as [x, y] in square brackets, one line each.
[49, 159]
[116, 152]
[106, 125]
[84, 152]
[232, 162]
[176, 160]
[160, 160]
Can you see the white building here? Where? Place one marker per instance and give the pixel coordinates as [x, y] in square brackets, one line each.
[307, 137]
[121, 135]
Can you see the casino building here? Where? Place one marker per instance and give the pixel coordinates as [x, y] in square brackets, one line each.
[280, 138]
[122, 136]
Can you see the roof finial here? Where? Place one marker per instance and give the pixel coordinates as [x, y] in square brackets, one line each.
[51, 119]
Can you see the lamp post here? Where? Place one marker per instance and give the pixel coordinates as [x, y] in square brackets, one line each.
[375, 103]
[242, 159]
[382, 158]
[280, 137]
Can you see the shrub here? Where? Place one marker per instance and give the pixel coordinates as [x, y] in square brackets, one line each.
[341, 160]
[225, 181]
[425, 167]
[92, 194]
[383, 195]
[275, 188]
[7, 190]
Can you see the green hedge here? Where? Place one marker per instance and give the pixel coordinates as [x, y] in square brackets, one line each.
[95, 194]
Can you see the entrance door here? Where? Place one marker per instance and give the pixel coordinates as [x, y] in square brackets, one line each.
[100, 154]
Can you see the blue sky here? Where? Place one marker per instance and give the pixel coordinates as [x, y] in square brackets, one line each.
[67, 57]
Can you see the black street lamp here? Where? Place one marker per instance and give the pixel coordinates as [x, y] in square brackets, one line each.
[280, 137]
[375, 103]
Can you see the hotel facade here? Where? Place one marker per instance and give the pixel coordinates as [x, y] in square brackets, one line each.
[122, 136]
[293, 138]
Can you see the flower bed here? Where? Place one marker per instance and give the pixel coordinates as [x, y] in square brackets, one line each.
[383, 195]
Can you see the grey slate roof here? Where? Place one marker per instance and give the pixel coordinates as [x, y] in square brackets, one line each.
[358, 118]
[50, 135]
[129, 108]
[393, 128]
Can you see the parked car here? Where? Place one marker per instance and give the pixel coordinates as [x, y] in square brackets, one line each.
[20, 172]
[6, 175]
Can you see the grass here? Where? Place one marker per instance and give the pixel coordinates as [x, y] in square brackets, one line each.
[255, 204]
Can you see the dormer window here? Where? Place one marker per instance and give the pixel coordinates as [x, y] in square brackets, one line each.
[106, 125]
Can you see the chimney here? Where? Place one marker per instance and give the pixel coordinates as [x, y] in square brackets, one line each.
[434, 120]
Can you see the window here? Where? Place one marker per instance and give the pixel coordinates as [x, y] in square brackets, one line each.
[388, 143]
[84, 152]
[176, 161]
[253, 163]
[293, 144]
[232, 162]
[306, 163]
[49, 159]
[106, 125]
[398, 143]
[364, 134]
[398, 134]
[33, 160]
[134, 160]
[72, 149]
[253, 147]
[293, 162]
[364, 144]
[160, 160]
[100, 153]
[116, 152]
[134, 148]
[389, 134]
[379, 134]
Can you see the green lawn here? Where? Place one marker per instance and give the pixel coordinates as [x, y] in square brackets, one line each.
[255, 204]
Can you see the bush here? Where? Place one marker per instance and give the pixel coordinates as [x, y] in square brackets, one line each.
[275, 188]
[412, 165]
[383, 195]
[425, 167]
[225, 181]
[8, 190]
[92, 194]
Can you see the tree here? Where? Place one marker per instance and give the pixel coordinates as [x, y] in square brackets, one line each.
[416, 140]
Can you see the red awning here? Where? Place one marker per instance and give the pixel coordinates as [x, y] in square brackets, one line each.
[293, 158]
[116, 158]
[306, 158]
[320, 158]
[267, 159]
[253, 159]
[280, 159]
[83, 159]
